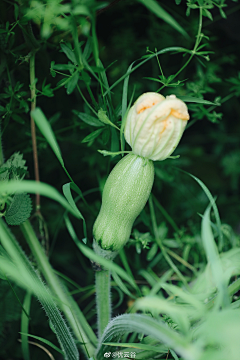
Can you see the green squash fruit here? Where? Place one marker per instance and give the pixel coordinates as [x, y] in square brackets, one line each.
[125, 194]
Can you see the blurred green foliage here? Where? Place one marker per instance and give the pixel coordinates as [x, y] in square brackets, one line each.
[210, 148]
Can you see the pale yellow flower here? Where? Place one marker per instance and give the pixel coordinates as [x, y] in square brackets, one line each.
[155, 125]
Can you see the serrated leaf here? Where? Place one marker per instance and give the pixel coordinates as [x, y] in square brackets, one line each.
[14, 168]
[19, 209]
[16, 160]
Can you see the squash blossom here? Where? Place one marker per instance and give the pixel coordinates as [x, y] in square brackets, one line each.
[154, 127]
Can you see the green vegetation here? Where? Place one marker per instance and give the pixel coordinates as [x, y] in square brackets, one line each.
[69, 72]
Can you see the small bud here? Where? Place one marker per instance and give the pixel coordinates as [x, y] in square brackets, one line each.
[155, 125]
[125, 194]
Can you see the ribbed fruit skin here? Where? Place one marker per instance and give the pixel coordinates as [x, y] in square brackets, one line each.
[125, 194]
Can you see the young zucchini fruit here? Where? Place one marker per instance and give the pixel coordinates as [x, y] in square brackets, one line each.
[125, 194]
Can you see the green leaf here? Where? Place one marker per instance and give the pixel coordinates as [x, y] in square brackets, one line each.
[24, 325]
[19, 209]
[110, 153]
[92, 136]
[17, 161]
[224, 16]
[128, 323]
[18, 118]
[44, 341]
[162, 14]
[207, 14]
[196, 100]
[103, 118]
[80, 10]
[158, 348]
[215, 209]
[34, 187]
[14, 168]
[213, 258]
[69, 67]
[88, 119]
[69, 53]
[47, 132]
[163, 51]
[67, 193]
[121, 285]
[72, 83]
[104, 77]
[125, 108]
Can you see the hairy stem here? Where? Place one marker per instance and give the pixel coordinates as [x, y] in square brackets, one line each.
[33, 128]
[103, 299]
[75, 318]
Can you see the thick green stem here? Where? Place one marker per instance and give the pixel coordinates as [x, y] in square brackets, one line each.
[103, 299]
[76, 320]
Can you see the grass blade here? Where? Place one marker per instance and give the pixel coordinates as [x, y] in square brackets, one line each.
[213, 204]
[44, 341]
[153, 6]
[47, 132]
[24, 326]
[213, 259]
[33, 187]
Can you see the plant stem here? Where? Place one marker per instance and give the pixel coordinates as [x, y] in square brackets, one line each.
[103, 299]
[33, 128]
[197, 43]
